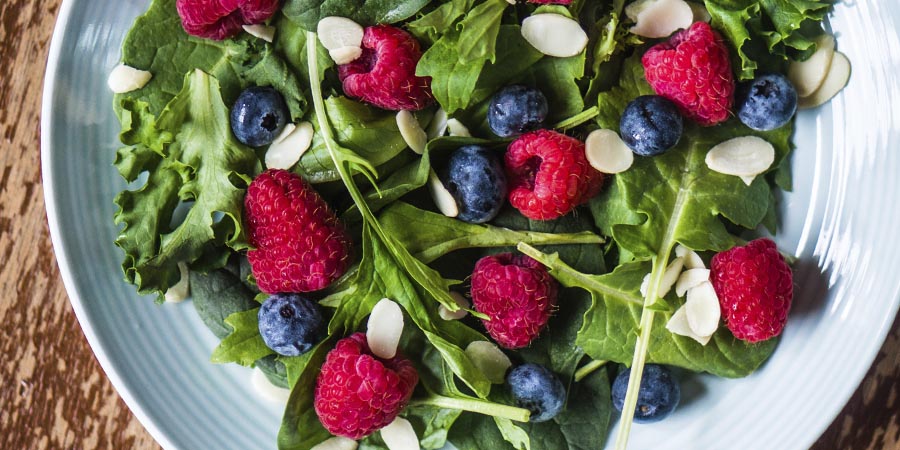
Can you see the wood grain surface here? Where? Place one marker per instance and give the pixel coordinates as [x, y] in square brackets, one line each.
[53, 393]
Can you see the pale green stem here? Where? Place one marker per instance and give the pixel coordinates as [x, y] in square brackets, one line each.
[589, 368]
[474, 405]
[578, 119]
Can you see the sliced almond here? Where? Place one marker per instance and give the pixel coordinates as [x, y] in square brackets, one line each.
[645, 283]
[384, 328]
[554, 34]
[463, 304]
[488, 358]
[182, 289]
[336, 443]
[678, 324]
[457, 128]
[606, 152]
[837, 79]
[745, 157]
[400, 435]
[412, 131]
[261, 31]
[702, 308]
[689, 279]
[335, 32]
[691, 259]
[125, 79]
[438, 125]
[701, 14]
[267, 390]
[345, 55]
[807, 76]
[669, 277]
[659, 18]
[441, 196]
[289, 146]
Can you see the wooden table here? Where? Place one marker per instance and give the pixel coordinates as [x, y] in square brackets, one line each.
[53, 394]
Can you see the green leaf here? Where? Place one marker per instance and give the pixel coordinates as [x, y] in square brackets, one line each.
[244, 345]
[217, 295]
[365, 12]
[557, 78]
[479, 29]
[203, 164]
[427, 27]
[300, 426]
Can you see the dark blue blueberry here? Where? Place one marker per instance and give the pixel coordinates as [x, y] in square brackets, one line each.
[258, 116]
[290, 324]
[767, 102]
[538, 390]
[651, 125]
[517, 109]
[475, 178]
[657, 398]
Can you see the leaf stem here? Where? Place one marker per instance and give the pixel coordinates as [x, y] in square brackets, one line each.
[508, 237]
[588, 369]
[474, 405]
[578, 119]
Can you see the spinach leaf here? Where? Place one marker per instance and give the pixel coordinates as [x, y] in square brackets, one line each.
[429, 26]
[199, 162]
[244, 345]
[217, 295]
[308, 13]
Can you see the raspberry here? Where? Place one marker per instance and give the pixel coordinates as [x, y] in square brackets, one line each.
[300, 245]
[517, 294]
[385, 74]
[357, 393]
[549, 175]
[755, 287]
[220, 19]
[693, 70]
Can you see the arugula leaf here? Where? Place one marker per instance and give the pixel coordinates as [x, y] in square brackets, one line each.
[244, 345]
[308, 13]
[202, 163]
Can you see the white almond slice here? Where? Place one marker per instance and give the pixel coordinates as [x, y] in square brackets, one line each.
[267, 390]
[645, 283]
[807, 76]
[457, 128]
[182, 289]
[261, 31]
[488, 358]
[441, 196]
[384, 328]
[289, 146]
[125, 79]
[701, 14]
[691, 259]
[836, 80]
[411, 131]
[463, 304]
[746, 156]
[703, 310]
[438, 125]
[690, 278]
[336, 32]
[336, 443]
[606, 152]
[661, 18]
[400, 435]
[670, 276]
[345, 55]
[554, 35]
[678, 324]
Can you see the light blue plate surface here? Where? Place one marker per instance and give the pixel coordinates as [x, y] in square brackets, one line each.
[840, 219]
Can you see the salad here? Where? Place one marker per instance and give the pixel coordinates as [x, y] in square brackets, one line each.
[488, 223]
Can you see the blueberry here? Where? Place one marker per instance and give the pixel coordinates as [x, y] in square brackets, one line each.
[538, 390]
[290, 324]
[258, 116]
[475, 178]
[517, 109]
[651, 125]
[657, 398]
[767, 102]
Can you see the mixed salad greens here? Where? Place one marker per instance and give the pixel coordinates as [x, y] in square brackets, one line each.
[188, 209]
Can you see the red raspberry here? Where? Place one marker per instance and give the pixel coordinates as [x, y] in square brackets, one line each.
[693, 70]
[755, 287]
[220, 19]
[385, 74]
[358, 393]
[549, 175]
[300, 245]
[517, 294]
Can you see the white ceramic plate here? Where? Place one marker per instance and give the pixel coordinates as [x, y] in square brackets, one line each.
[841, 220]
